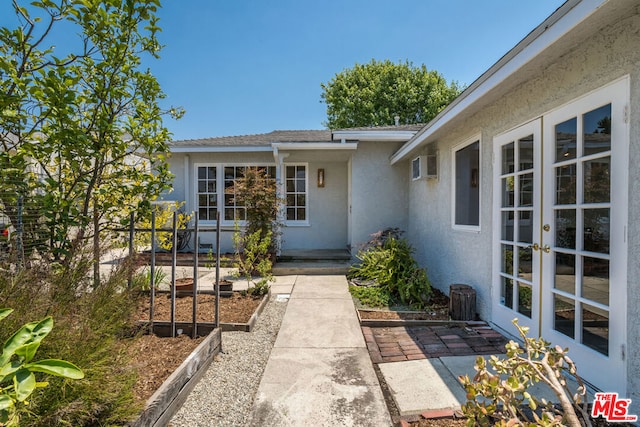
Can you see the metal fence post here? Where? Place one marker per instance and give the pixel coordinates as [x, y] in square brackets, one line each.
[19, 232]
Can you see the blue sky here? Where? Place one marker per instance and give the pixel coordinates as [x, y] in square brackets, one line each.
[253, 66]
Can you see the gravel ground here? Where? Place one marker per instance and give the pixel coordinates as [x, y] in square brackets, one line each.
[224, 396]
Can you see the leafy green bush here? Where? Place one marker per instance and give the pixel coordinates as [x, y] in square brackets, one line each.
[17, 368]
[393, 267]
[371, 296]
[502, 401]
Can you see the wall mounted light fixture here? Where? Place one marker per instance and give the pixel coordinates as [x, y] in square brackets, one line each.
[320, 178]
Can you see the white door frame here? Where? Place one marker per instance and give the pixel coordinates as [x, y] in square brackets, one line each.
[606, 372]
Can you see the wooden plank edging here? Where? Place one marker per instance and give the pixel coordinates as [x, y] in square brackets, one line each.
[166, 401]
[390, 323]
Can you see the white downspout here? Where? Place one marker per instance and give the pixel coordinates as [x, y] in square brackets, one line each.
[279, 159]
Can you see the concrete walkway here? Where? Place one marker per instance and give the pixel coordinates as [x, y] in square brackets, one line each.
[319, 372]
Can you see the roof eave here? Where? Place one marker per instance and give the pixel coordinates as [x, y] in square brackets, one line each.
[314, 146]
[373, 135]
[220, 149]
[563, 20]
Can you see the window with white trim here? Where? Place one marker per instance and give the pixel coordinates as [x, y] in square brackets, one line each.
[207, 199]
[233, 210]
[466, 186]
[296, 192]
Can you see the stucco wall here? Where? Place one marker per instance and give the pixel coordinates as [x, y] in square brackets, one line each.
[379, 194]
[453, 256]
[327, 213]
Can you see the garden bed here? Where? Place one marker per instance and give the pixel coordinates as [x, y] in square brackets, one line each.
[237, 312]
[396, 315]
[169, 368]
[168, 371]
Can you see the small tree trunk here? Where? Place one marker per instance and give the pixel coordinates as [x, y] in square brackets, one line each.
[96, 246]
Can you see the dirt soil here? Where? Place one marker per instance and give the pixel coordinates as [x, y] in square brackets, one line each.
[438, 309]
[233, 309]
[156, 358]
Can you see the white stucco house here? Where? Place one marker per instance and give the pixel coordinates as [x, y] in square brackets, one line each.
[534, 199]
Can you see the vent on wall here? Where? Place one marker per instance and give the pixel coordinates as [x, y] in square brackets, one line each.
[425, 167]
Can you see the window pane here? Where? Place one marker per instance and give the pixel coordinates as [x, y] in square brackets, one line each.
[565, 313]
[301, 200]
[291, 200]
[507, 158]
[595, 280]
[291, 214]
[596, 181]
[525, 152]
[597, 130]
[507, 259]
[507, 225]
[506, 292]
[595, 329]
[566, 228]
[524, 263]
[524, 299]
[202, 173]
[508, 193]
[565, 277]
[566, 140]
[566, 185]
[596, 230]
[525, 227]
[300, 214]
[467, 186]
[526, 190]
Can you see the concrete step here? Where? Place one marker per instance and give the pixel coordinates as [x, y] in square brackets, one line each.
[303, 255]
[323, 267]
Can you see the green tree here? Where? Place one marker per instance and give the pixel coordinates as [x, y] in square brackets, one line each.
[83, 126]
[374, 94]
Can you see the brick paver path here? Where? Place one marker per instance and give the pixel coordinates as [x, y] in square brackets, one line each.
[395, 344]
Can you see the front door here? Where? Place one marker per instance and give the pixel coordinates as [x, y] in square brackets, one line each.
[560, 264]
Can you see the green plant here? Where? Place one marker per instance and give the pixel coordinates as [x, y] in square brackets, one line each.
[252, 252]
[258, 193]
[142, 280]
[503, 401]
[372, 296]
[393, 267]
[17, 368]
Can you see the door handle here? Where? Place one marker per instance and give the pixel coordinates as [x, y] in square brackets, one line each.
[546, 249]
[535, 247]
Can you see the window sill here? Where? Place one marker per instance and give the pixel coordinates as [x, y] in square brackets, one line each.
[297, 224]
[467, 228]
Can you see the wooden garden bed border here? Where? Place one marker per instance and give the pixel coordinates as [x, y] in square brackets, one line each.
[173, 392]
[389, 323]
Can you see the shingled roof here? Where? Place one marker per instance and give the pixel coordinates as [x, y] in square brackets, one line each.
[261, 139]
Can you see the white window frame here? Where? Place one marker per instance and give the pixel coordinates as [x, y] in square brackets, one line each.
[467, 142]
[220, 187]
[295, 223]
[222, 179]
[196, 202]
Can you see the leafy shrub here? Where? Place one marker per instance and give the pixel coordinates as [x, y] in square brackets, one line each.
[503, 401]
[17, 368]
[372, 296]
[252, 256]
[393, 267]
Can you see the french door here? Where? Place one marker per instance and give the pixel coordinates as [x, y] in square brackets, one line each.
[560, 251]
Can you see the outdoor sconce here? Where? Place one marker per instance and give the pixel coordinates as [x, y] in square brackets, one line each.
[320, 178]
